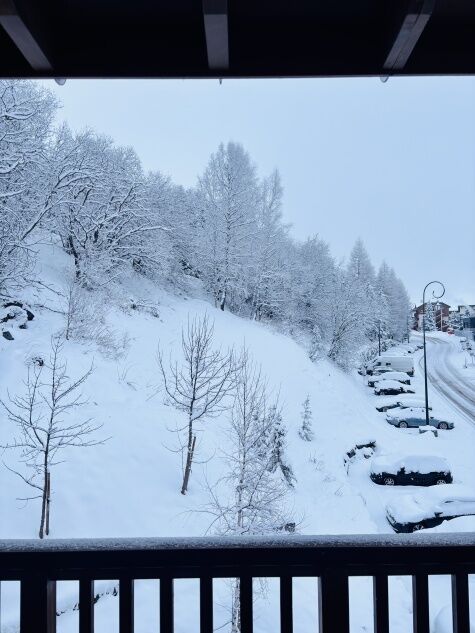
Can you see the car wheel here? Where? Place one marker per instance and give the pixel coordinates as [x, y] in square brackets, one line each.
[443, 426]
[389, 481]
[417, 527]
[402, 425]
[440, 482]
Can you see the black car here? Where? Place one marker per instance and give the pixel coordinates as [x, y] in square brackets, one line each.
[410, 513]
[412, 470]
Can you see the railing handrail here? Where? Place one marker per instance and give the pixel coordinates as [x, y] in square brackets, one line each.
[38, 565]
[415, 540]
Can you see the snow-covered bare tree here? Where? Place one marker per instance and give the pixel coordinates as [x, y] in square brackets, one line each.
[26, 112]
[251, 498]
[48, 422]
[106, 221]
[265, 271]
[197, 384]
[305, 430]
[347, 322]
[228, 196]
[396, 299]
[310, 297]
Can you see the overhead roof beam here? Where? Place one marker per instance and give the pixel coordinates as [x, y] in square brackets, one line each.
[23, 37]
[413, 25]
[215, 13]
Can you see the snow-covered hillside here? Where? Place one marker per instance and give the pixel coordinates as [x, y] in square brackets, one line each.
[134, 477]
[130, 485]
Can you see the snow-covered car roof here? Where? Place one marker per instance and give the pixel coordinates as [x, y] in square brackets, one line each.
[404, 401]
[412, 508]
[388, 383]
[408, 412]
[391, 375]
[411, 463]
[410, 346]
[414, 403]
[395, 351]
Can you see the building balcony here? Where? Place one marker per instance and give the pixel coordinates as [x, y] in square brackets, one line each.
[333, 560]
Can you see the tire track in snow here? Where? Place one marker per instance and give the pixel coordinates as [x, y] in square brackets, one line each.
[451, 390]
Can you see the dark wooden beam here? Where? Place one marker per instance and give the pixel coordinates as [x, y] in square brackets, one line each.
[215, 13]
[414, 23]
[23, 37]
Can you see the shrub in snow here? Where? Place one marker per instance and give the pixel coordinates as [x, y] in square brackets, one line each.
[305, 430]
[84, 321]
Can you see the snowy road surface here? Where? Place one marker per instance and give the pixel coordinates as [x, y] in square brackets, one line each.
[452, 383]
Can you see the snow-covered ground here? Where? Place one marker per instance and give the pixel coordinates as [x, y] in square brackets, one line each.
[130, 485]
[451, 370]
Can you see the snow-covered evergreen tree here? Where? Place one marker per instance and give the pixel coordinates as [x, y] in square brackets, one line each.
[429, 317]
[306, 430]
[275, 444]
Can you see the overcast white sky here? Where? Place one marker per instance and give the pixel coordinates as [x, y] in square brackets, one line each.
[393, 163]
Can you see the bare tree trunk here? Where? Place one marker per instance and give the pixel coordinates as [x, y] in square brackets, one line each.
[48, 501]
[43, 505]
[189, 461]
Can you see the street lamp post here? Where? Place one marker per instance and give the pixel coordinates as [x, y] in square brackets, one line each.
[424, 337]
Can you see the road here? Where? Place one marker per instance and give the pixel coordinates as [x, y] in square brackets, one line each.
[450, 382]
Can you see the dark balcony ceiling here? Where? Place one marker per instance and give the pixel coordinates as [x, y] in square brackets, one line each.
[236, 38]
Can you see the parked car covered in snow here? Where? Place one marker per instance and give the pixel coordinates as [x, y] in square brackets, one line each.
[414, 421]
[408, 412]
[409, 513]
[391, 388]
[410, 348]
[395, 362]
[402, 404]
[400, 376]
[411, 470]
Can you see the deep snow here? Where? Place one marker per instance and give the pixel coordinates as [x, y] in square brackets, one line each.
[130, 486]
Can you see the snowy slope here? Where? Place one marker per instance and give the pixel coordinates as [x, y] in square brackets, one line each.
[130, 485]
[134, 477]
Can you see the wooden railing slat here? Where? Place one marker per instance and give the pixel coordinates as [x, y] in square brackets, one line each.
[333, 603]
[166, 605]
[460, 603]
[286, 600]
[420, 603]
[37, 605]
[380, 604]
[246, 607]
[86, 605]
[126, 605]
[206, 605]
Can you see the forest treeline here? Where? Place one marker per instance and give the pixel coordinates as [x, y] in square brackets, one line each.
[92, 197]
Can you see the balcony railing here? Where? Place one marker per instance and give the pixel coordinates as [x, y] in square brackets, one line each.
[38, 565]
